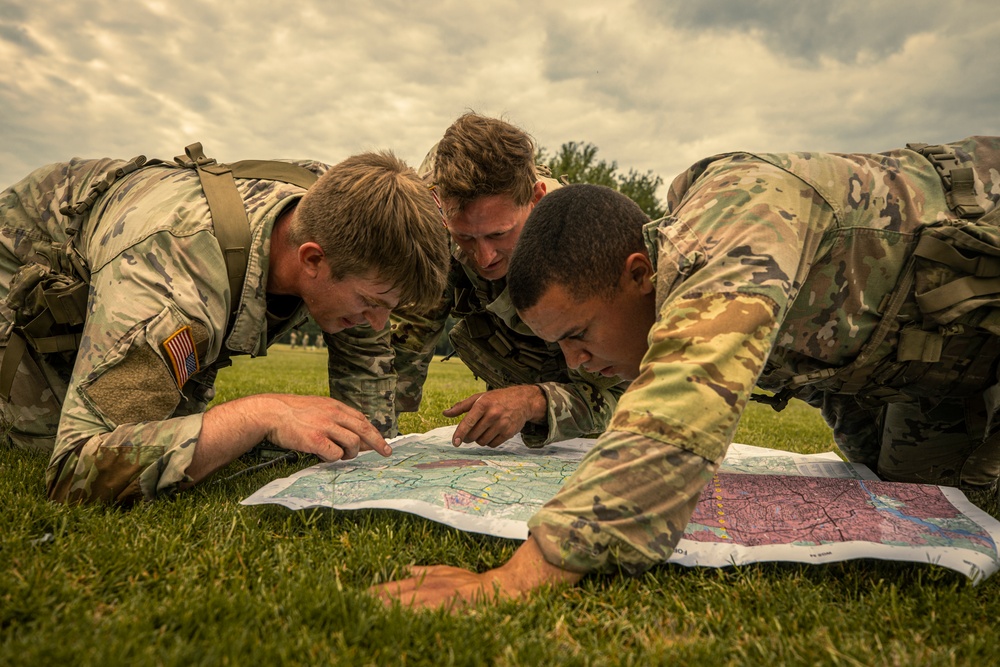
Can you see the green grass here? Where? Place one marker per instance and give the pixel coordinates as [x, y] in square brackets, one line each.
[200, 580]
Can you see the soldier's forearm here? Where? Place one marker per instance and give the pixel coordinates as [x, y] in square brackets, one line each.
[625, 507]
[229, 430]
[312, 424]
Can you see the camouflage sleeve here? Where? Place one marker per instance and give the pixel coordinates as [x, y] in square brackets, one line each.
[414, 338]
[577, 409]
[731, 260]
[361, 374]
[629, 502]
[119, 438]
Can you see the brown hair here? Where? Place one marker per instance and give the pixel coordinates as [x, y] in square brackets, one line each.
[480, 156]
[372, 212]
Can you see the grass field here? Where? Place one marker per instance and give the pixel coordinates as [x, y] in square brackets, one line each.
[200, 580]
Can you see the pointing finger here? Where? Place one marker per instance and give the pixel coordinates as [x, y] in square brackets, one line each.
[462, 406]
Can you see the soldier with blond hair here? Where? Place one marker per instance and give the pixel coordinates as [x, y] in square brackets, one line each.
[126, 285]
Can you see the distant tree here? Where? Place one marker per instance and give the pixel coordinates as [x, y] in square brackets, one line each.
[641, 188]
[577, 162]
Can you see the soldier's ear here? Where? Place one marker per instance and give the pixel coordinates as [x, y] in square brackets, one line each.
[312, 259]
[537, 192]
[639, 272]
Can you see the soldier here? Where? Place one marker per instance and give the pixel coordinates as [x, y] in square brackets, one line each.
[148, 276]
[485, 177]
[865, 284]
[293, 339]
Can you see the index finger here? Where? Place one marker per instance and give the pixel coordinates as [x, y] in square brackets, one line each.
[462, 406]
[375, 442]
[466, 425]
[369, 436]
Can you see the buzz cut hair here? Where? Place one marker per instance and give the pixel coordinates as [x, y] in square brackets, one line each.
[578, 237]
[479, 156]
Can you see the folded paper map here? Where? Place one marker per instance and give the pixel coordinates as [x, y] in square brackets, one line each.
[762, 505]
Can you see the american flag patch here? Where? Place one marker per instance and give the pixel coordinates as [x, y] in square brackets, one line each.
[183, 357]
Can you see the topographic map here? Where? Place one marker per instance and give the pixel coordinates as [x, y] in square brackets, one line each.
[491, 491]
[762, 505]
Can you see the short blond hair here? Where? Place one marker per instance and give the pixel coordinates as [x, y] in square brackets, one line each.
[372, 212]
[480, 156]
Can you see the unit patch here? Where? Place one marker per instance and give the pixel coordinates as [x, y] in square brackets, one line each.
[183, 357]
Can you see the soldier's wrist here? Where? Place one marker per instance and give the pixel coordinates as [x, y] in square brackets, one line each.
[539, 405]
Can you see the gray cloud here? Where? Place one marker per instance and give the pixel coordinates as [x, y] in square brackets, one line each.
[846, 30]
[656, 85]
[19, 37]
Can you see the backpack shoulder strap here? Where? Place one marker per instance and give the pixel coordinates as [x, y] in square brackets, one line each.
[958, 178]
[272, 170]
[229, 215]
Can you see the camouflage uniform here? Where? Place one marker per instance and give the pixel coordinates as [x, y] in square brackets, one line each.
[130, 411]
[776, 270]
[383, 373]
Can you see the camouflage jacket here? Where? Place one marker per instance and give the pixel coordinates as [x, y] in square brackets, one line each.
[776, 260]
[383, 373]
[133, 409]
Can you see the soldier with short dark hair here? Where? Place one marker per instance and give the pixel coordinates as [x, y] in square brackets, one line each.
[484, 174]
[126, 285]
[867, 285]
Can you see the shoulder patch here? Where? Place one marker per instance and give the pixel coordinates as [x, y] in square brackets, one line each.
[180, 349]
[138, 388]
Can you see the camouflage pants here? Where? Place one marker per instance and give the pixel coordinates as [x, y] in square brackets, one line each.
[31, 417]
[953, 441]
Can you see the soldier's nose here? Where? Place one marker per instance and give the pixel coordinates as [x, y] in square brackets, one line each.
[574, 357]
[377, 318]
[485, 254]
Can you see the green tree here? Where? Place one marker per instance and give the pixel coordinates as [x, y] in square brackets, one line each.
[577, 162]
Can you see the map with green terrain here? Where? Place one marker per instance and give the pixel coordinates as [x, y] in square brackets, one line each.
[762, 505]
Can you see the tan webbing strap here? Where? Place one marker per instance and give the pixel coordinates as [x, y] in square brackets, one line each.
[983, 269]
[934, 249]
[963, 193]
[274, 171]
[68, 304]
[229, 217]
[232, 228]
[39, 333]
[959, 182]
[58, 343]
[11, 359]
[956, 291]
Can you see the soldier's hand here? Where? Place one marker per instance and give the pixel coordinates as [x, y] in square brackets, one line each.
[325, 427]
[311, 424]
[453, 587]
[493, 417]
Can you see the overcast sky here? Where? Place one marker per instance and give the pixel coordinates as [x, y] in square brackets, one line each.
[655, 84]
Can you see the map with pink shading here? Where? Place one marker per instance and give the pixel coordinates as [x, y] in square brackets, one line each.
[759, 510]
[762, 505]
